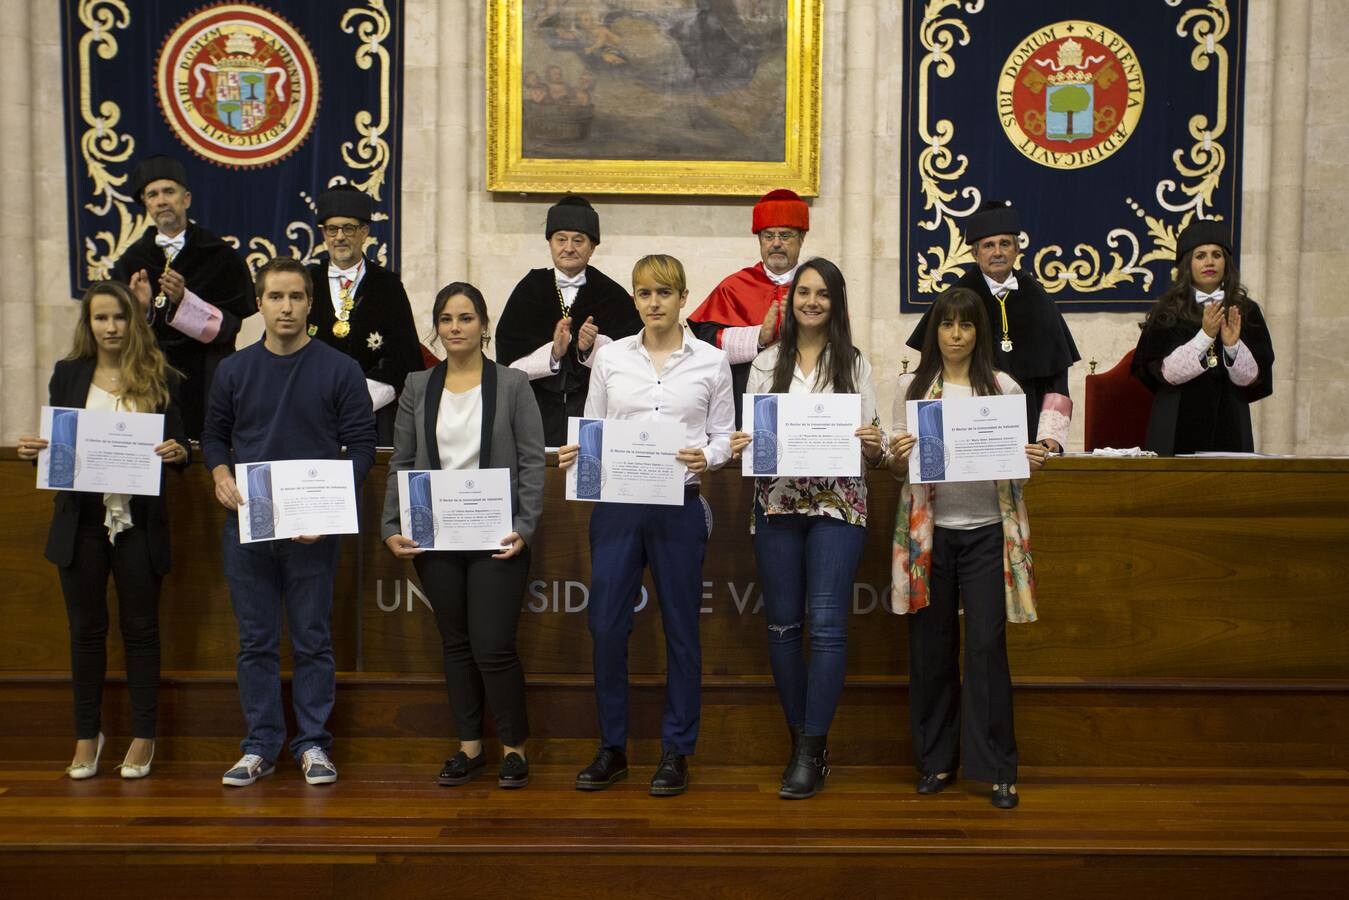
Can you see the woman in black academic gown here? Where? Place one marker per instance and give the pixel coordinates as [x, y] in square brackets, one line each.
[1205, 351]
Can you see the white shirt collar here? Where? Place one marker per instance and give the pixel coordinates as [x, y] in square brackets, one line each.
[685, 337]
[351, 274]
[569, 281]
[1202, 298]
[784, 278]
[175, 242]
[1000, 287]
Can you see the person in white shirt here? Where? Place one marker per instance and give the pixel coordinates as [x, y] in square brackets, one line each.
[661, 374]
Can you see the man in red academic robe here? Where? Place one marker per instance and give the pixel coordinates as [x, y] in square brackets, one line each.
[743, 314]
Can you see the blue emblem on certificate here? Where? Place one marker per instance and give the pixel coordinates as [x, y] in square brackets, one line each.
[765, 434]
[61, 452]
[261, 521]
[589, 468]
[421, 519]
[931, 445]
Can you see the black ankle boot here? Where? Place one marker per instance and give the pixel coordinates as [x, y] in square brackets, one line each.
[809, 768]
[796, 739]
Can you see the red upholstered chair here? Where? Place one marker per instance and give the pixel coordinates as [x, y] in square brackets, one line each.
[429, 359]
[1117, 408]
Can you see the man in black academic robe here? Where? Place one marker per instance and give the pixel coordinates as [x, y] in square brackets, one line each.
[378, 330]
[1031, 342]
[550, 306]
[194, 303]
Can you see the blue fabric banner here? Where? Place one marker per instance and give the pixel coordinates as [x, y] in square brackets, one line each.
[265, 103]
[1109, 126]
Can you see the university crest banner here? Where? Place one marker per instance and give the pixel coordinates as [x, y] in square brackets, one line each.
[1109, 125]
[265, 103]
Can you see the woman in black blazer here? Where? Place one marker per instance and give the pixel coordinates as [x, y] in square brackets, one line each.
[113, 363]
[471, 413]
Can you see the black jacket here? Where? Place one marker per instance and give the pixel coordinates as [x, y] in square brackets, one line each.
[69, 387]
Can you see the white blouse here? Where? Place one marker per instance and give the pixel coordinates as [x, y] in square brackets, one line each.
[117, 515]
[459, 428]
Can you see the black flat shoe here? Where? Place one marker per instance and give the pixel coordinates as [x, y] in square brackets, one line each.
[609, 766]
[672, 776]
[514, 772]
[935, 784]
[459, 769]
[1004, 796]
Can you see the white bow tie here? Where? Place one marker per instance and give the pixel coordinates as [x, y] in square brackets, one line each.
[348, 274]
[565, 281]
[784, 278]
[1005, 287]
[176, 243]
[1202, 298]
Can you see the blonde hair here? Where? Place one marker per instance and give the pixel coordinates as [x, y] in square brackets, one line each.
[145, 372]
[661, 269]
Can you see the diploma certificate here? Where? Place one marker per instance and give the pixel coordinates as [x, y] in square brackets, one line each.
[101, 451]
[290, 497]
[626, 461]
[968, 439]
[803, 435]
[455, 509]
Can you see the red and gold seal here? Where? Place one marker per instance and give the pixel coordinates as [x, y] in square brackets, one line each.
[1070, 94]
[238, 85]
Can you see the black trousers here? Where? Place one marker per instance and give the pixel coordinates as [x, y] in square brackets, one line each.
[85, 586]
[477, 602]
[973, 721]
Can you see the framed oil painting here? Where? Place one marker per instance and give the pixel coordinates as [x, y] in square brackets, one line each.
[710, 97]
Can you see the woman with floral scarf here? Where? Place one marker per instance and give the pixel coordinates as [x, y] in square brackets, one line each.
[960, 545]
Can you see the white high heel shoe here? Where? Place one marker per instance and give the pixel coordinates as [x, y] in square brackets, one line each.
[81, 771]
[131, 770]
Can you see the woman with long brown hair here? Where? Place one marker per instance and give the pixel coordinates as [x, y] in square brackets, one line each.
[114, 364]
[960, 545]
[809, 533]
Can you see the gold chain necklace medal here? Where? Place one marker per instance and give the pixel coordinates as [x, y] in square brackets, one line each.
[1212, 360]
[342, 327]
[1006, 333]
[561, 301]
[162, 299]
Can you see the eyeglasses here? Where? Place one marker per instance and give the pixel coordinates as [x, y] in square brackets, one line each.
[786, 236]
[346, 230]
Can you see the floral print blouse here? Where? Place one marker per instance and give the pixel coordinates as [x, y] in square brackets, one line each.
[841, 498]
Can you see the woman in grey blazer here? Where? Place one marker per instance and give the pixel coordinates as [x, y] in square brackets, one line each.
[470, 413]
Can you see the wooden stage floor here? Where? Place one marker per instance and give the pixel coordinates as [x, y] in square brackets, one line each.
[391, 831]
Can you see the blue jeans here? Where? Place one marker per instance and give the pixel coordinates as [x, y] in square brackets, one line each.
[806, 569]
[263, 578]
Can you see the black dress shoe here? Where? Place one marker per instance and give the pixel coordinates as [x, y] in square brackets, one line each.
[935, 784]
[514, 772]
[672, 775]
[1004, 797]
[808, 769]
[609, 766]
[459, 769]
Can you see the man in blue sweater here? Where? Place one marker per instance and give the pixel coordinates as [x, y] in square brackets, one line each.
[285, 397]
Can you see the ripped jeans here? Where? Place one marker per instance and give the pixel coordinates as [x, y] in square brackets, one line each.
[806, 570]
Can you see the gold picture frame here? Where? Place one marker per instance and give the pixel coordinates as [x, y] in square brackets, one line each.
[585, 56]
